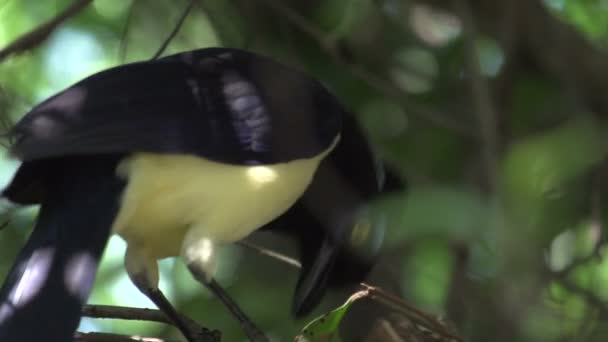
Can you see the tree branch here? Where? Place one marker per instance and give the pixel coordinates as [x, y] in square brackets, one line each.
[423, 321]
[124, 41]
[150, 315]
[106, 337]
[175, 30]
[38, 35]
[482, 101]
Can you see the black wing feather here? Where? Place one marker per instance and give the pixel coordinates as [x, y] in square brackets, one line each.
[139, 107]
[216, 103]
[43, 294]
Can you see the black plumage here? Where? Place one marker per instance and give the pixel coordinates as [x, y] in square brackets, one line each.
[223, 105]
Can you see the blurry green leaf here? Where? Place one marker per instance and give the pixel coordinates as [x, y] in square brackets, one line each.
[573, 244]
[325, 327]
[427, 273]
[562, 251]
[431, 153]
[432, 25]
[536, 103]
[383, 119]
[227, 22]
[196, 32]
[17, 17]
[8, 167]
[415, 70]
[548, 321]
[584, 275]
[589, 16]
[600, 272]
[545, 161]
[443, 212]
[587, 237]
[541, 173]
[111, 9]
[491, 57]
[340, 17]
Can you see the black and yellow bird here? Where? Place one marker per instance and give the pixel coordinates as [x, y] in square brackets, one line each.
[180, 156]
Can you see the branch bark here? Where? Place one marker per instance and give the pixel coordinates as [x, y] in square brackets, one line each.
[38, 35]
[128, 313]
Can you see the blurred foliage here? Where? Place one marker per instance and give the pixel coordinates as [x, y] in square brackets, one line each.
[588, 15]
[513, 256]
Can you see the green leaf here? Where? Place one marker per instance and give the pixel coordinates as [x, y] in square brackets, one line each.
[426, 275]
[341, 17]
[543, 177]
[437, 211]
[325, 327]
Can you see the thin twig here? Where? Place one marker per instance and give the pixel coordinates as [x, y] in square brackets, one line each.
[175, 30]
[149, 315]
[588, 296]
[275, 255]
[562, 276]
[375, 293]
[415, 315]
[126, 313]
[593, 256]
[596, 210]
[107, 337]
[5, 224]
[596, 227]
[42, 32]
[124, 41]
[384, 331]
[485, 111]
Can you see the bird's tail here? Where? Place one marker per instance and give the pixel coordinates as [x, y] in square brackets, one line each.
[42, 296]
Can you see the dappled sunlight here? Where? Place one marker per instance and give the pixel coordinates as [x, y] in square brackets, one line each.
[78, 277]
[434, 26]
[260, 175]
[72, 54]
[37, 268]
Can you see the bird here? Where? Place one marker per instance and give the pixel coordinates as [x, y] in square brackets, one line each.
[180, 156]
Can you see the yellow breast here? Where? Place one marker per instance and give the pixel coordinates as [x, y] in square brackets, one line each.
[167, 195]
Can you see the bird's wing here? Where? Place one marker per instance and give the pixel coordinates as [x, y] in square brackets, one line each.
[179, 104]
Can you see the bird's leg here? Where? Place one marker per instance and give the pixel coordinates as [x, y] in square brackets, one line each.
[199, 255]
[144, 274]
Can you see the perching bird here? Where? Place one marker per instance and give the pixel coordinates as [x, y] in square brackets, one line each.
[180, 156]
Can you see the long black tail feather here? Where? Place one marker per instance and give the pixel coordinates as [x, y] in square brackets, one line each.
[42, 296]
